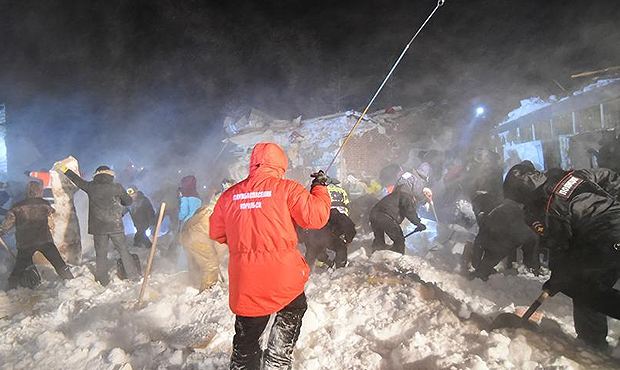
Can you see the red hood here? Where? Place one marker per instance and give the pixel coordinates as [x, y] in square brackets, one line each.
[268, 158]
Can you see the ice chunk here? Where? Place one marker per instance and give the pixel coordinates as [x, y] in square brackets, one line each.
[117, 356]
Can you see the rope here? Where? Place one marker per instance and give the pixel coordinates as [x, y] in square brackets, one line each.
[400, 57]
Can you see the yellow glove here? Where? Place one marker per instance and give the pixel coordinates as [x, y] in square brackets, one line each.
[60, 167]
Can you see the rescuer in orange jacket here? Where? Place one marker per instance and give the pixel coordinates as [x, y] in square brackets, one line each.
[256, 218]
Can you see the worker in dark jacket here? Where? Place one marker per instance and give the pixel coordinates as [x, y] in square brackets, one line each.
[484, 173]
[336, 235]
[106, 202]
[387, 215]
[142, 215]
[582, 228]
[608, 156]
[501, 230]
[32, 232]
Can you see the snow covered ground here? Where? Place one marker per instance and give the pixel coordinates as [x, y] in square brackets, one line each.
[373, 314]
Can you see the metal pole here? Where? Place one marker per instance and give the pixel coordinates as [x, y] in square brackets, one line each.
[400, 57]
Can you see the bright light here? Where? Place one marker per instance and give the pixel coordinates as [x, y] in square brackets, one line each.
[479, 111]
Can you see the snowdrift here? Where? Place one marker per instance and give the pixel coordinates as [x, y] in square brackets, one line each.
[384, 312]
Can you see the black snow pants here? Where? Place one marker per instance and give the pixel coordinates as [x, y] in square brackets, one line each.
[382, 224]
[140, 239]
[316, 249]
[488, 252]
[593, 300]
[102, 262]
[24, 260]
[247, 353]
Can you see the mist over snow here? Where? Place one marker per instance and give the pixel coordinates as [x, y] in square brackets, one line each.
[155, 88]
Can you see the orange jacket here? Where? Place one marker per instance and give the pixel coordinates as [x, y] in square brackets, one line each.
[257, 218]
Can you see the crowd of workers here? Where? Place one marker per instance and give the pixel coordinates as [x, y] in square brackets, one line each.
[571, 216]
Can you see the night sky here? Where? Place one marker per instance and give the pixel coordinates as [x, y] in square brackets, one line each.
[109, 75]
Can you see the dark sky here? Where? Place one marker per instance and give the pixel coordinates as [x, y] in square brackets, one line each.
[116, 74]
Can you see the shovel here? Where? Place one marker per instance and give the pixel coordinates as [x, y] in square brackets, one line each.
[511, 320]
[411, 233]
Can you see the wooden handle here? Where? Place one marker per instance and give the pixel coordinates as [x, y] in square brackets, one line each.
[7, 248]
[537, 303]
[149, 264]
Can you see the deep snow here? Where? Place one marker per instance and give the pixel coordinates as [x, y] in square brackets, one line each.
[373, 314]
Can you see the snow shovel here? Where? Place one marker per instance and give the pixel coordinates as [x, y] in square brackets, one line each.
[149, 264]
[511, 320]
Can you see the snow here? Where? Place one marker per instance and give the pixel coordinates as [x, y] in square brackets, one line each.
[533, 104]
[386, 311]
[527, 106]
[598, 84]
[311, 142]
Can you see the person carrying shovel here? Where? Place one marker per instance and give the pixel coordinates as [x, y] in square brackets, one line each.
[581, 222]
[387, 215]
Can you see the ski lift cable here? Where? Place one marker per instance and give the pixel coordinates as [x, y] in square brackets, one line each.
[387, 77]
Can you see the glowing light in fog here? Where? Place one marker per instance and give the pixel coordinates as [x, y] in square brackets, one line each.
[479, 111]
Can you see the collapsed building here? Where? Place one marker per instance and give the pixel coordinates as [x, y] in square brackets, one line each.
[392, 135]
[561, 132]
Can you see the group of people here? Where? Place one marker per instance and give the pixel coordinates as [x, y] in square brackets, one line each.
[258, 222]
[573, 216]
[108, 202]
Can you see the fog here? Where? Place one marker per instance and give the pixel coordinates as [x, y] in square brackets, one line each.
[151, 81]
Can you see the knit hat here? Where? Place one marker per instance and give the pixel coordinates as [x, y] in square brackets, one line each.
[104, 170]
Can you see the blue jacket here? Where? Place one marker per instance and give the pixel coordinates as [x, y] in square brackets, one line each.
[188, 207]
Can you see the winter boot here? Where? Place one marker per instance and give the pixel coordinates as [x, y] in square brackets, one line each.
[30, 278]
[399, 247]
[282, 338]
[103, 280]
[249, 361]
[120, 269]
[378, 245]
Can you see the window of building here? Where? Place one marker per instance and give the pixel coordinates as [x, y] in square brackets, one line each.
[543, 130]
[612, 113]
[526, 132]
[511, 136]
[588, 119]
[563, 124]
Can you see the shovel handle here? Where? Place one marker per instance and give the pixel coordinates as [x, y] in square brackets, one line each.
[149, 264]
[411, 233]
[7, 248]
[537, 303]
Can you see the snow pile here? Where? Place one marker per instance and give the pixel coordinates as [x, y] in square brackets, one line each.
[533, 104]
[528, 106]
[373, 314]
[596, 85]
